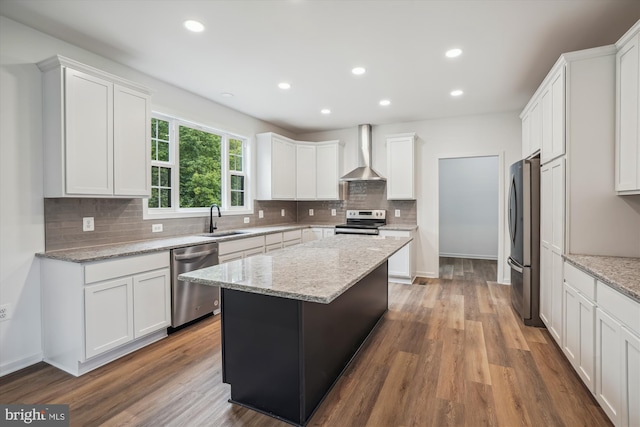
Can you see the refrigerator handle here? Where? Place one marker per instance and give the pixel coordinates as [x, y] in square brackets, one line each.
[513, 265]
[512, 205]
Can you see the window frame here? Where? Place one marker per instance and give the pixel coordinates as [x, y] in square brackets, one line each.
[175, 211]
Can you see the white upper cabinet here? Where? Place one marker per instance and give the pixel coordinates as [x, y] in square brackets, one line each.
[96, 132]
[628, 113]
[293, 170]
[544, 116]
[306, 172]
[401, 167]
[276, 167]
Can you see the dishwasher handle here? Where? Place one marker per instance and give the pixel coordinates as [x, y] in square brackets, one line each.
[194, 255]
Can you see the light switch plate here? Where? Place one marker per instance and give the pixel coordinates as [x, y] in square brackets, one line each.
[156, 228]
[87, 223]
[260, 214]
[246, 220]
[333, 212]
[310, 212]
[5, 312]
[281, 212]
[397, 213]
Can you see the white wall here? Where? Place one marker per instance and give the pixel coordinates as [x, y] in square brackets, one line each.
[482, 135]
[469, 206]
[21, 187]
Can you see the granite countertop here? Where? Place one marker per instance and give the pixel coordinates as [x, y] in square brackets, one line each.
[622, 274]
[97, 253]
[317, 271]
[400, 227]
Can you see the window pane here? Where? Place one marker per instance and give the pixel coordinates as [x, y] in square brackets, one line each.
[235, 155]
[163, 130]
[200, 168]
[154, 176]
[237, 198]
[165, 177]
[163, 151]
[165, 198]
[153, 200]
[154, 150]
[237, 182]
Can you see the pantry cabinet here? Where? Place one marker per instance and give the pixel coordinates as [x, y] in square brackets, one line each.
[627, 177]
[96, 132]
[111, 308]
[401, 167]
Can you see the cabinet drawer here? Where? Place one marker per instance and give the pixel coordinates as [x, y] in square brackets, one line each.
[240, 245]
[580, 281]
[619, 306]
[126, 266]
[395, 233]
[271, 239]
[292, 235]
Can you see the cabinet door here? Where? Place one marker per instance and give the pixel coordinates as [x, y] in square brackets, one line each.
[628, 116]
[526, 135]
[546, 205]
[579, 334]
[305, 172]
[283, 179]
[308, 235]
[88, 119]
[546, 122]
[131, 142]
[630, 379]
[253, 251]
[328, 232]
[536, 129]
[230, 257]
[558, 114]
[400, 168]
[608, 380]
[328, 173]
[556, 297]
[151, 302]
[108, 311]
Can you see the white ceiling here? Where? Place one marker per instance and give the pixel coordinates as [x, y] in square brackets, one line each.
[248, 47]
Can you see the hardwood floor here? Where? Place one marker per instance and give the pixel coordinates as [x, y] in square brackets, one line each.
[450, 352]
[468, 269]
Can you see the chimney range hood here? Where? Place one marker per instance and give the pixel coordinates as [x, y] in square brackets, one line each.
[364, 171]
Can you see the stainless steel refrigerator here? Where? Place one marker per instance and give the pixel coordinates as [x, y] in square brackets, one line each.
[524, 233]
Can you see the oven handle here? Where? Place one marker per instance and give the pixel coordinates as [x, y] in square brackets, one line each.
[356, 231]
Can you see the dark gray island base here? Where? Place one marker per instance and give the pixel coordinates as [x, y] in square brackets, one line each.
[281, 356]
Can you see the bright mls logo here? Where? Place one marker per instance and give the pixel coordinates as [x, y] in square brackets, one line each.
[35, 415]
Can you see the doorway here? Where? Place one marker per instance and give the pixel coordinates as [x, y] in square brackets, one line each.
[469, 216]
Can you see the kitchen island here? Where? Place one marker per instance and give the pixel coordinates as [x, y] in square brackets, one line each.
[293, 320]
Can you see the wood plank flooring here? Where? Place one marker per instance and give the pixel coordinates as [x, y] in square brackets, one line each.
[447, 353]
[468, 269]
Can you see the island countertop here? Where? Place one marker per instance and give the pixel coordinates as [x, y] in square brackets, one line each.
[317, 271]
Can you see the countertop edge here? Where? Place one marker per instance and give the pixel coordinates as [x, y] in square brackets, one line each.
[570, 258]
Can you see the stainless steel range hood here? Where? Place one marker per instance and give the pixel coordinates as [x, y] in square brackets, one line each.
[364, 171]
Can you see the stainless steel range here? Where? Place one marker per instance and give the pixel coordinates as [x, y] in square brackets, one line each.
[363, 222]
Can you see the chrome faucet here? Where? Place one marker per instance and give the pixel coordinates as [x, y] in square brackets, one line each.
[212, 226]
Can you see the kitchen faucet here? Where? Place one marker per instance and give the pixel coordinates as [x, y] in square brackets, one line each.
[211, 225]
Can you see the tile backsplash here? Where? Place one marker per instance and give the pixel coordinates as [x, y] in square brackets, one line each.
[120, 220]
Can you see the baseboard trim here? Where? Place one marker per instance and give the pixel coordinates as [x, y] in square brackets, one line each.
[16, 365]
[469, 256]
[426, 274]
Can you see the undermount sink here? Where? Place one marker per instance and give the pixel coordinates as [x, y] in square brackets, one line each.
[224, 233]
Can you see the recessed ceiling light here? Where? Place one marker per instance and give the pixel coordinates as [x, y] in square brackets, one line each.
[456, 92]
[358, 71]
[385, 102]
[194, 26]
[325, 111]
[453, 53]
[284, 85]
[227, 94]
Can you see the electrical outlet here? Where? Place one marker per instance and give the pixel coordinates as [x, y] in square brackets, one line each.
[281, 212]
[260, 214]
[5, 312]
[333, 212]
[310, 212]
[87, 223]
[246, 220]
[156, 228]
[397, 213]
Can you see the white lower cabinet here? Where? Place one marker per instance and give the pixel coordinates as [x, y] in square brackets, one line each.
[316, 233]
[291, 238]
[402, 263]
[241, 248]
[601, 339]
[95, 312]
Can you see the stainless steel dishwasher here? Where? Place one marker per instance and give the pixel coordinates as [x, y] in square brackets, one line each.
[190, 301]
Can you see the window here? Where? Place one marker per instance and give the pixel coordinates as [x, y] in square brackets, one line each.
[193, 167]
